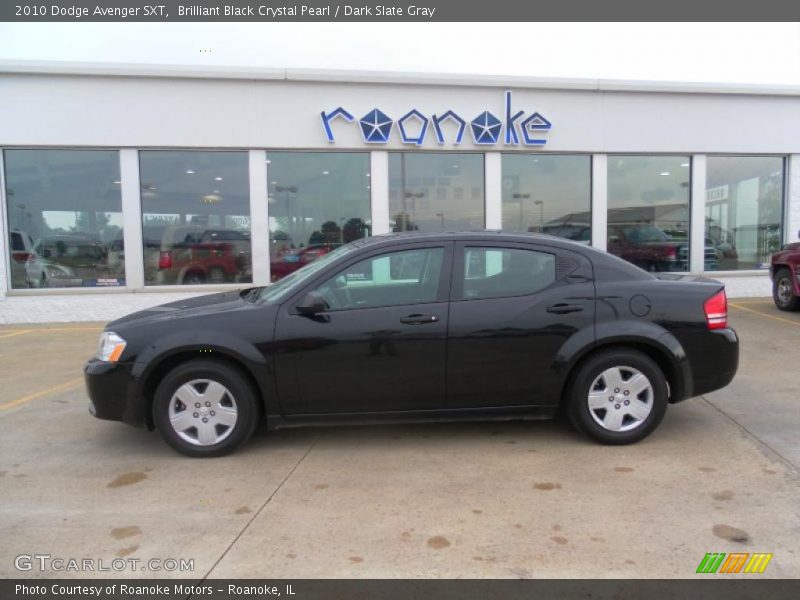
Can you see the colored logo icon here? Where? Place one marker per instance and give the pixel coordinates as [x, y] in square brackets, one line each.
[735, 562]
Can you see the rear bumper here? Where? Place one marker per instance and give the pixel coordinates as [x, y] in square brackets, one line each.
[108, 386]
[719, 362]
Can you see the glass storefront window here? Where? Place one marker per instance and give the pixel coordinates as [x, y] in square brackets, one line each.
[195, 217]
[548, 194]
[317, 202]
[65, 218]
[648, 211]
[744, 200]
[436, 191]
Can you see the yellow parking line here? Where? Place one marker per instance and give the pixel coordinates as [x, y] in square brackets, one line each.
[47, 329]
[15, 333]
[765, 315]
[52, 390]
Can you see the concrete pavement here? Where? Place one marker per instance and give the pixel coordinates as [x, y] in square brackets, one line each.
[450, 500]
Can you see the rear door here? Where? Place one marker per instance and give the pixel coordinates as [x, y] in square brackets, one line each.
[513, 308]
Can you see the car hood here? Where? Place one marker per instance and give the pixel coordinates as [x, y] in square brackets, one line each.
[190, 307]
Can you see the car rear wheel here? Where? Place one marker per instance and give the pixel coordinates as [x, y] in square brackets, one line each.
[205, 408]
[782, 292]
[216, 275]
[193, 278]
[617, 397]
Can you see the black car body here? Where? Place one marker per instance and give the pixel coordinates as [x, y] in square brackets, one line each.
[482, 325]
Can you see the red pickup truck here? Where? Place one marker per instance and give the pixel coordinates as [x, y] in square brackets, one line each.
[785, 273]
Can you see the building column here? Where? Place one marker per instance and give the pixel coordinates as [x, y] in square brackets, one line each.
[379, 191]
[697, 214]
[130, 188]
[493, 167]
[599, 200]
[792, 233]
[259, 216]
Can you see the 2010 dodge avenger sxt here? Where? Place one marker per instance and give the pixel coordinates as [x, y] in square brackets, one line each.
[421, 327]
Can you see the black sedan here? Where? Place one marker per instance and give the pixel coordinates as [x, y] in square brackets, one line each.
[421, 327]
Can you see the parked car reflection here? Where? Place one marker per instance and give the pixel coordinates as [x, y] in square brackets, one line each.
[290, 261]
[653, 249]
[73, 260]
[190, 254]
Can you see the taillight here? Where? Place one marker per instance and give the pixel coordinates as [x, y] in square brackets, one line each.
[165, 259]
[671, 253]
[716, 309]
[22, 257]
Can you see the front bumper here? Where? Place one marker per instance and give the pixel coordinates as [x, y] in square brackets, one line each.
[108, 385]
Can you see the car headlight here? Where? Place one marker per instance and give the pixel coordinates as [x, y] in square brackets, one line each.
[110, 347]
[54, 273]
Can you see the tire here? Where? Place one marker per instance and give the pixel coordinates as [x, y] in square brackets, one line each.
[231, 408]
[606, 381]
[216, 275]
[193, 278]
[782, 291]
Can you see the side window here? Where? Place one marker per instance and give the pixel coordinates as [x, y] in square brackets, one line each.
[498, 272]
[405, 277]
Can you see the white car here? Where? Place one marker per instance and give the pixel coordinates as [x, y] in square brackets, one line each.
[22, 255]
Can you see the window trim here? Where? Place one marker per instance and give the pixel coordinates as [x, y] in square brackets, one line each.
[457, 287]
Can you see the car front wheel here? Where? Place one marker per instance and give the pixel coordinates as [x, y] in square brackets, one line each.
[617, 397]
[205, 408]
[782, 292]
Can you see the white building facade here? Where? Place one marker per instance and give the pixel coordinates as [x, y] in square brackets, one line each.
[123, 187]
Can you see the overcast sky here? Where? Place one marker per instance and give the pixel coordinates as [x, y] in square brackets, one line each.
[728, 52]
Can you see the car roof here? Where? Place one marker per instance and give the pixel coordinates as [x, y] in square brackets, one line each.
[493, 235]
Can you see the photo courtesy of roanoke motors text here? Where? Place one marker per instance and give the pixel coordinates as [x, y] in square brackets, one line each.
[399, 301]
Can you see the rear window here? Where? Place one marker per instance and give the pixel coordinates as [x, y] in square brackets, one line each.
[17, 244]
[498, 272]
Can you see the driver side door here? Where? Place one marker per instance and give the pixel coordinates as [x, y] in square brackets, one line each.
[380, 343]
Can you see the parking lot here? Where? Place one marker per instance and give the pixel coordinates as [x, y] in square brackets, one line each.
[448, 500]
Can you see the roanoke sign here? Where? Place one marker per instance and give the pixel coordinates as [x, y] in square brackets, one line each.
[515, 128]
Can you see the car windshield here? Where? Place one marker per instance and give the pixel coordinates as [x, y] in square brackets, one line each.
[279, 290]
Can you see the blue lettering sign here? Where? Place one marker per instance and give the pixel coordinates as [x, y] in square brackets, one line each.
[327, 118]
[486, 128]
[404, 135]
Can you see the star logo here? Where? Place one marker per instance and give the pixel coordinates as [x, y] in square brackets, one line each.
[486, 128]
[376, 127]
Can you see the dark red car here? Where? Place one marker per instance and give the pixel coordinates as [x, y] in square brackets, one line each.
[213, 256]
[290, 262]
[785, 274]
[653, 250]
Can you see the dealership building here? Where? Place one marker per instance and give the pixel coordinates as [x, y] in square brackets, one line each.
[127, 186]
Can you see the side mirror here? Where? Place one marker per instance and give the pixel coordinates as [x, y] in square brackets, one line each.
[312, 304]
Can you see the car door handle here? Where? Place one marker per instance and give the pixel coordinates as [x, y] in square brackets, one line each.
[419, 319]
[562, 309]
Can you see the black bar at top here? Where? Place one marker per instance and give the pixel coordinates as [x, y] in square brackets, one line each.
[490, 11]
